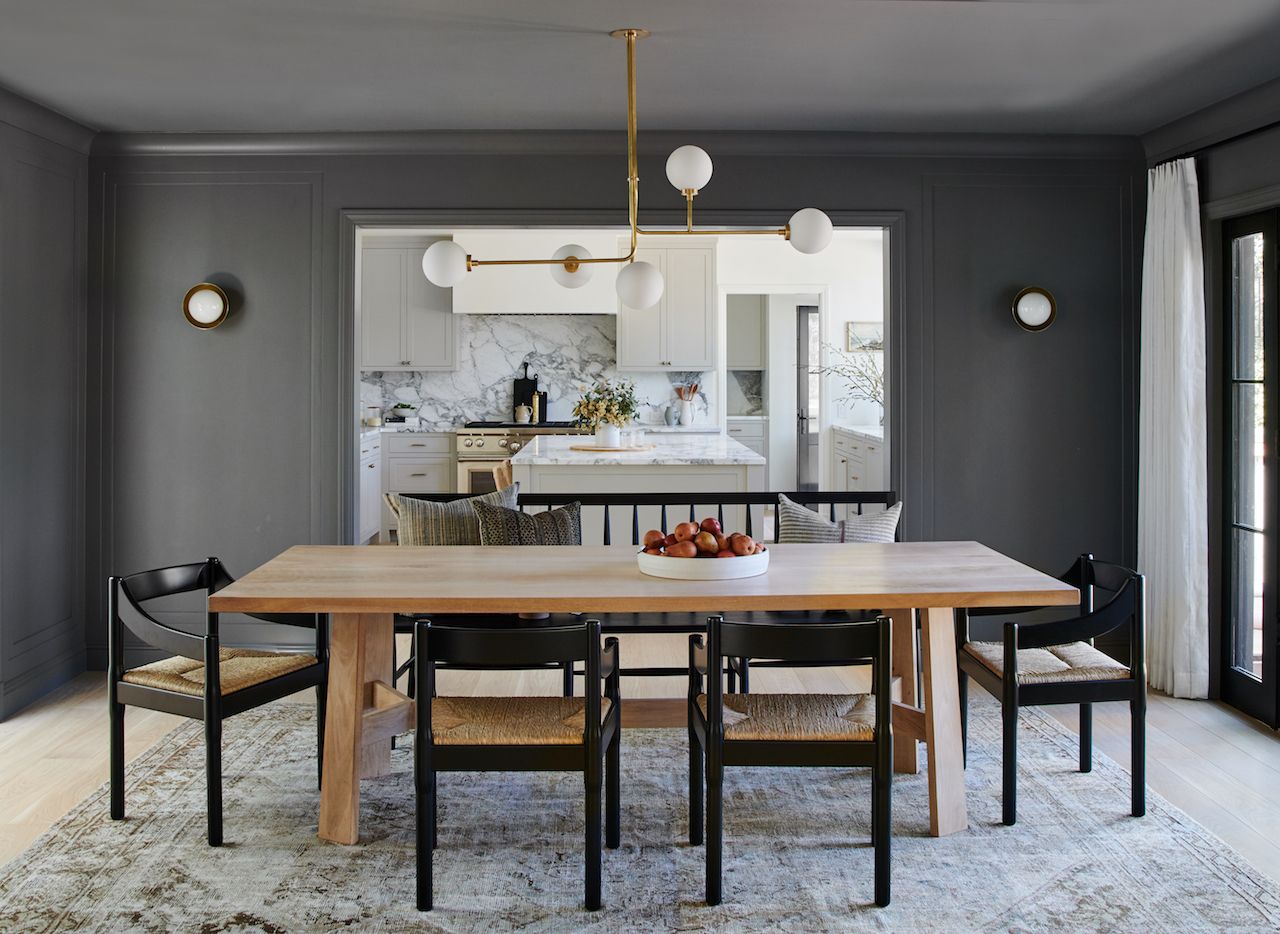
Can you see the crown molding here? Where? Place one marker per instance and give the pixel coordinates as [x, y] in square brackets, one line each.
[1234, 116]
[497, 142]
[26, 115]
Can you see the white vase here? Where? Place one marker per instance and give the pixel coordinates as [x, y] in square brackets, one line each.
[686, 412]
[608, 436]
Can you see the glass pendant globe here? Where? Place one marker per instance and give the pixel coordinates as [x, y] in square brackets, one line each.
[580, 276]
[689, 168]
[640, 285]
[811, 230]
[444, 263]
[205, 306]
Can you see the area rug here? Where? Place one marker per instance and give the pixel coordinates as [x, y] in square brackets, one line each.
[797, 853]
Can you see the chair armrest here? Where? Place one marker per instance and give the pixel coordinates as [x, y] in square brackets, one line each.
[609, 665]
[1118, 612]
[697, 654]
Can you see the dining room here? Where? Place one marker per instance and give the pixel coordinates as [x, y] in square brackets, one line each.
[410, 521]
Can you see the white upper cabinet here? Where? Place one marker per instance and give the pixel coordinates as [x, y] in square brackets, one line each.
[678, 333]
[406, 323]
[745, 323]
[528, 290]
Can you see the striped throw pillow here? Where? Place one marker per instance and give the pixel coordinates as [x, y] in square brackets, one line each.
[502, 526]
[456, 523]
[800, 524]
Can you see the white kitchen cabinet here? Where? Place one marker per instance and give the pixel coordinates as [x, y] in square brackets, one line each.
[530, 289]
[679, 332]
[745, 324]
[751, 431]
[370, 487]
[415, 462]
[406, 323]
[858, 463]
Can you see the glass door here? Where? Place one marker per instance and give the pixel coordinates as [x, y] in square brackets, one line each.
[808, 396]
[1249, 674]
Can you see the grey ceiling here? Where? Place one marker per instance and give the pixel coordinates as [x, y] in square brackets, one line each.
[1072, 66]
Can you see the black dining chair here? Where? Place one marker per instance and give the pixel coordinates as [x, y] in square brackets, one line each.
[519, 734]
[822, 730]
[1055, 662]
[203, 680]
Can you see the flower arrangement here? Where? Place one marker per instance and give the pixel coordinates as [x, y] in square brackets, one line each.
[607, 403]
[861, 371]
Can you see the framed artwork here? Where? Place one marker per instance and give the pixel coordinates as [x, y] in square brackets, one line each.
[864, 336]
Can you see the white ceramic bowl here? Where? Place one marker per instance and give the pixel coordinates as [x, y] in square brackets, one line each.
[703, 569]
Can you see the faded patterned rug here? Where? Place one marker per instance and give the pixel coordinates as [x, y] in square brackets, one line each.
[797, 854]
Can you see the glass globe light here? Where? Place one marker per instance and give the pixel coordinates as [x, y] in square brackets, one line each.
[689, 168]
[1034, 309]
[811, 230]
[579, 276]
[639, 285]
[205, 306]
[444, 263]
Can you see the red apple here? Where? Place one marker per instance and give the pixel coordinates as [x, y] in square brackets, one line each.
[706, 543]
[712, 525]
[685, 531]
[742, 545]
[725, 553]
[685, 549]
[668, 541]
[653, 551]
[653, 538]
[759, 549]
[722, 543]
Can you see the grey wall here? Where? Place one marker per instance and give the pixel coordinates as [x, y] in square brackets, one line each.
[43, 194]
[231, 442]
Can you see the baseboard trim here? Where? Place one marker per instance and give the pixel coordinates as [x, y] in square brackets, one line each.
[32, 685]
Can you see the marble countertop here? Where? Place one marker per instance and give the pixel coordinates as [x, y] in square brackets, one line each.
[872, 432]
[687, 449]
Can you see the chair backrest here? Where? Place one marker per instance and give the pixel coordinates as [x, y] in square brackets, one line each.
[532, 645]
[673, 505]
[840, 642]
[1125, 605]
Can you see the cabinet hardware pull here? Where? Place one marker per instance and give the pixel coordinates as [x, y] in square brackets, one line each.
[371, 466]
[417, 444]
[417, 475]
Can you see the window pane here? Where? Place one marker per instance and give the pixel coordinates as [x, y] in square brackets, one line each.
[1247, 293]
[1246, 598]
[1249, 450]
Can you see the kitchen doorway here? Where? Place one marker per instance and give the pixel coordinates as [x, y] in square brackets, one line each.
[808, 397]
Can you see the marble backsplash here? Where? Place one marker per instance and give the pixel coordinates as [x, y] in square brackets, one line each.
[745, 392]
[568, 353]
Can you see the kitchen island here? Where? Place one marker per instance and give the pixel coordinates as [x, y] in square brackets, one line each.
[676, 463]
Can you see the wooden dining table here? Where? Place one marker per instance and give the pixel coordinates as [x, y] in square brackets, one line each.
[362, 587]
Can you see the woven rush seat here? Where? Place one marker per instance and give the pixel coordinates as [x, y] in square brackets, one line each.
[820, 717]
[238, 668]
[510, 721]
[1075, 661]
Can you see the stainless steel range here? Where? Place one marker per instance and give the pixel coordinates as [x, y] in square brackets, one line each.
[481, 444]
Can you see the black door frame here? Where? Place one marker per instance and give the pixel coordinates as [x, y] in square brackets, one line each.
[1258, 698]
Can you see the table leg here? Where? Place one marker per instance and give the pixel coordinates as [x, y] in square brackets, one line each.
[359, 675]
[905, 758]
[947, 812]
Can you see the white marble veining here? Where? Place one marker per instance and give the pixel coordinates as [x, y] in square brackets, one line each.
[867, 432]
[745, 392]
[568, 353]
[684, 449]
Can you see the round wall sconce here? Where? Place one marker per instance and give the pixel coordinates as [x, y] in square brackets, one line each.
[205, 306]
[1034, 309]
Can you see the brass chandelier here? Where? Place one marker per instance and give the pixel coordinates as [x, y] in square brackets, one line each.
[639, 284]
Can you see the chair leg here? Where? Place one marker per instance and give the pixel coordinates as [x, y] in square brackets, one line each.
[424, 813]
[1086, 737]
[613, 791]
[881, 832]
[1138, 755]
[213, 777]
[962, 681]
[435, 814]
[593, 856]
[1010, 792]
[695, 788]
[322, 700]
[715, 824]
[117, 760]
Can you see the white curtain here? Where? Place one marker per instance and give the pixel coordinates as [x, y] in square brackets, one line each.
[1173, 549]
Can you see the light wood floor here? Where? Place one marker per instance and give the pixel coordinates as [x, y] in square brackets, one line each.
[1220, 767]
